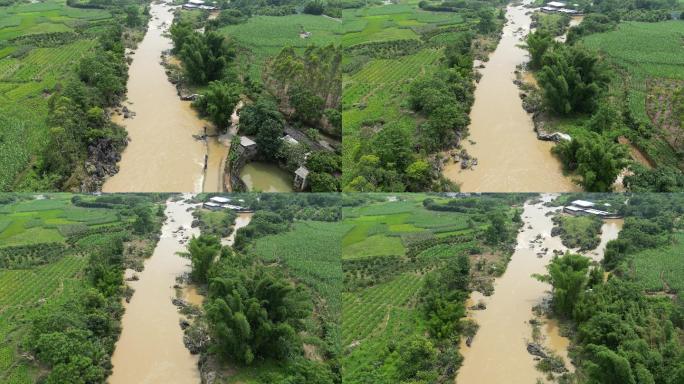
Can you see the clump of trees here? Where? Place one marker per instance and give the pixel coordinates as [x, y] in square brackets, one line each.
[597, 160]
[255, 314]
[206, 56]
[218, 102]
[571, 79]
[612, 317]
[307, 86]
[75, 340]
[78, 125]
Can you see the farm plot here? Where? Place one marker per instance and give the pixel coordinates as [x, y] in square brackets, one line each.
[648, 58]
[661, 269]
[266, 36]
[29, 74]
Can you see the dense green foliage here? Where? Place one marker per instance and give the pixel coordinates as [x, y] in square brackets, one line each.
[273, 306]
[624, 334]
[62, 282]
[408, 88]
[61, 67]
[409, 263]
[581, 232]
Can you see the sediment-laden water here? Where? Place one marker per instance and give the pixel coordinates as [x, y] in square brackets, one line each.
[162, 155]
[498, 353]
[150, 349]
[266, 177]
[510, 158]
[240, 222]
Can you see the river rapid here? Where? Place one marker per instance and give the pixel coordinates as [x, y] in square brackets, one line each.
[150, 348]
[510, 158]
[498, 352]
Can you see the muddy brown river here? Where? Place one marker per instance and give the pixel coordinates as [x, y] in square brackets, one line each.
[162, 155]
[510, 158]
[240, 222]
[498, 352]
[150, 349]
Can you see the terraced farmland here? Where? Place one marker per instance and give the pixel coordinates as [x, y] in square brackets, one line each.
[45, 245]
[29, 74]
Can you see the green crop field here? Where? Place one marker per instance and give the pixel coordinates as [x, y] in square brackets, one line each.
[389, 248]
[379, 229]
[28, 74]
[266, 36]
[317, 263]
[42, 272]
[661, 268]
[650, 59]
[375, 83]
[45, 242]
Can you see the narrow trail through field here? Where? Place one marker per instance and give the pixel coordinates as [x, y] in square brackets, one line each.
[510, 158]
[150, 349]
[498, 353]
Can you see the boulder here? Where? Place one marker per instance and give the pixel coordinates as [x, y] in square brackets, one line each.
[535, 349]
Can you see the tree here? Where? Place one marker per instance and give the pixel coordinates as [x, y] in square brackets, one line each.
[607, 118]
[568, 276]
[419, 176]
[218, 102]
[133, 18]
[487, 23]
[255, 115]
[392, 146]
[599, 161]
[202, 251]
[253, 313]
[571, 80]
[314, 7]
[323, 182]
[143, 221]
[538, 43]
[607, 367]
[269, 138]
[205, 56]
[308, 107]
[661, 179]
[180, 31]
[595, 158]
[497, 231]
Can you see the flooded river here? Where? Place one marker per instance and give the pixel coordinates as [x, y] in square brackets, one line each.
[498, 353]
[150, 349]
[510, 158]
[240, 222]
[162, 155]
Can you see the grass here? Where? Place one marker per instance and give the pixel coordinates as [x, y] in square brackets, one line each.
[266, 36]
[661, 268]
[40, 221]
[647, 54]
[28, 75]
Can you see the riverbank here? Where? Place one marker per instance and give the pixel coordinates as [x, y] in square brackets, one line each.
[500, 350]
[501, 136]
[150, 348]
